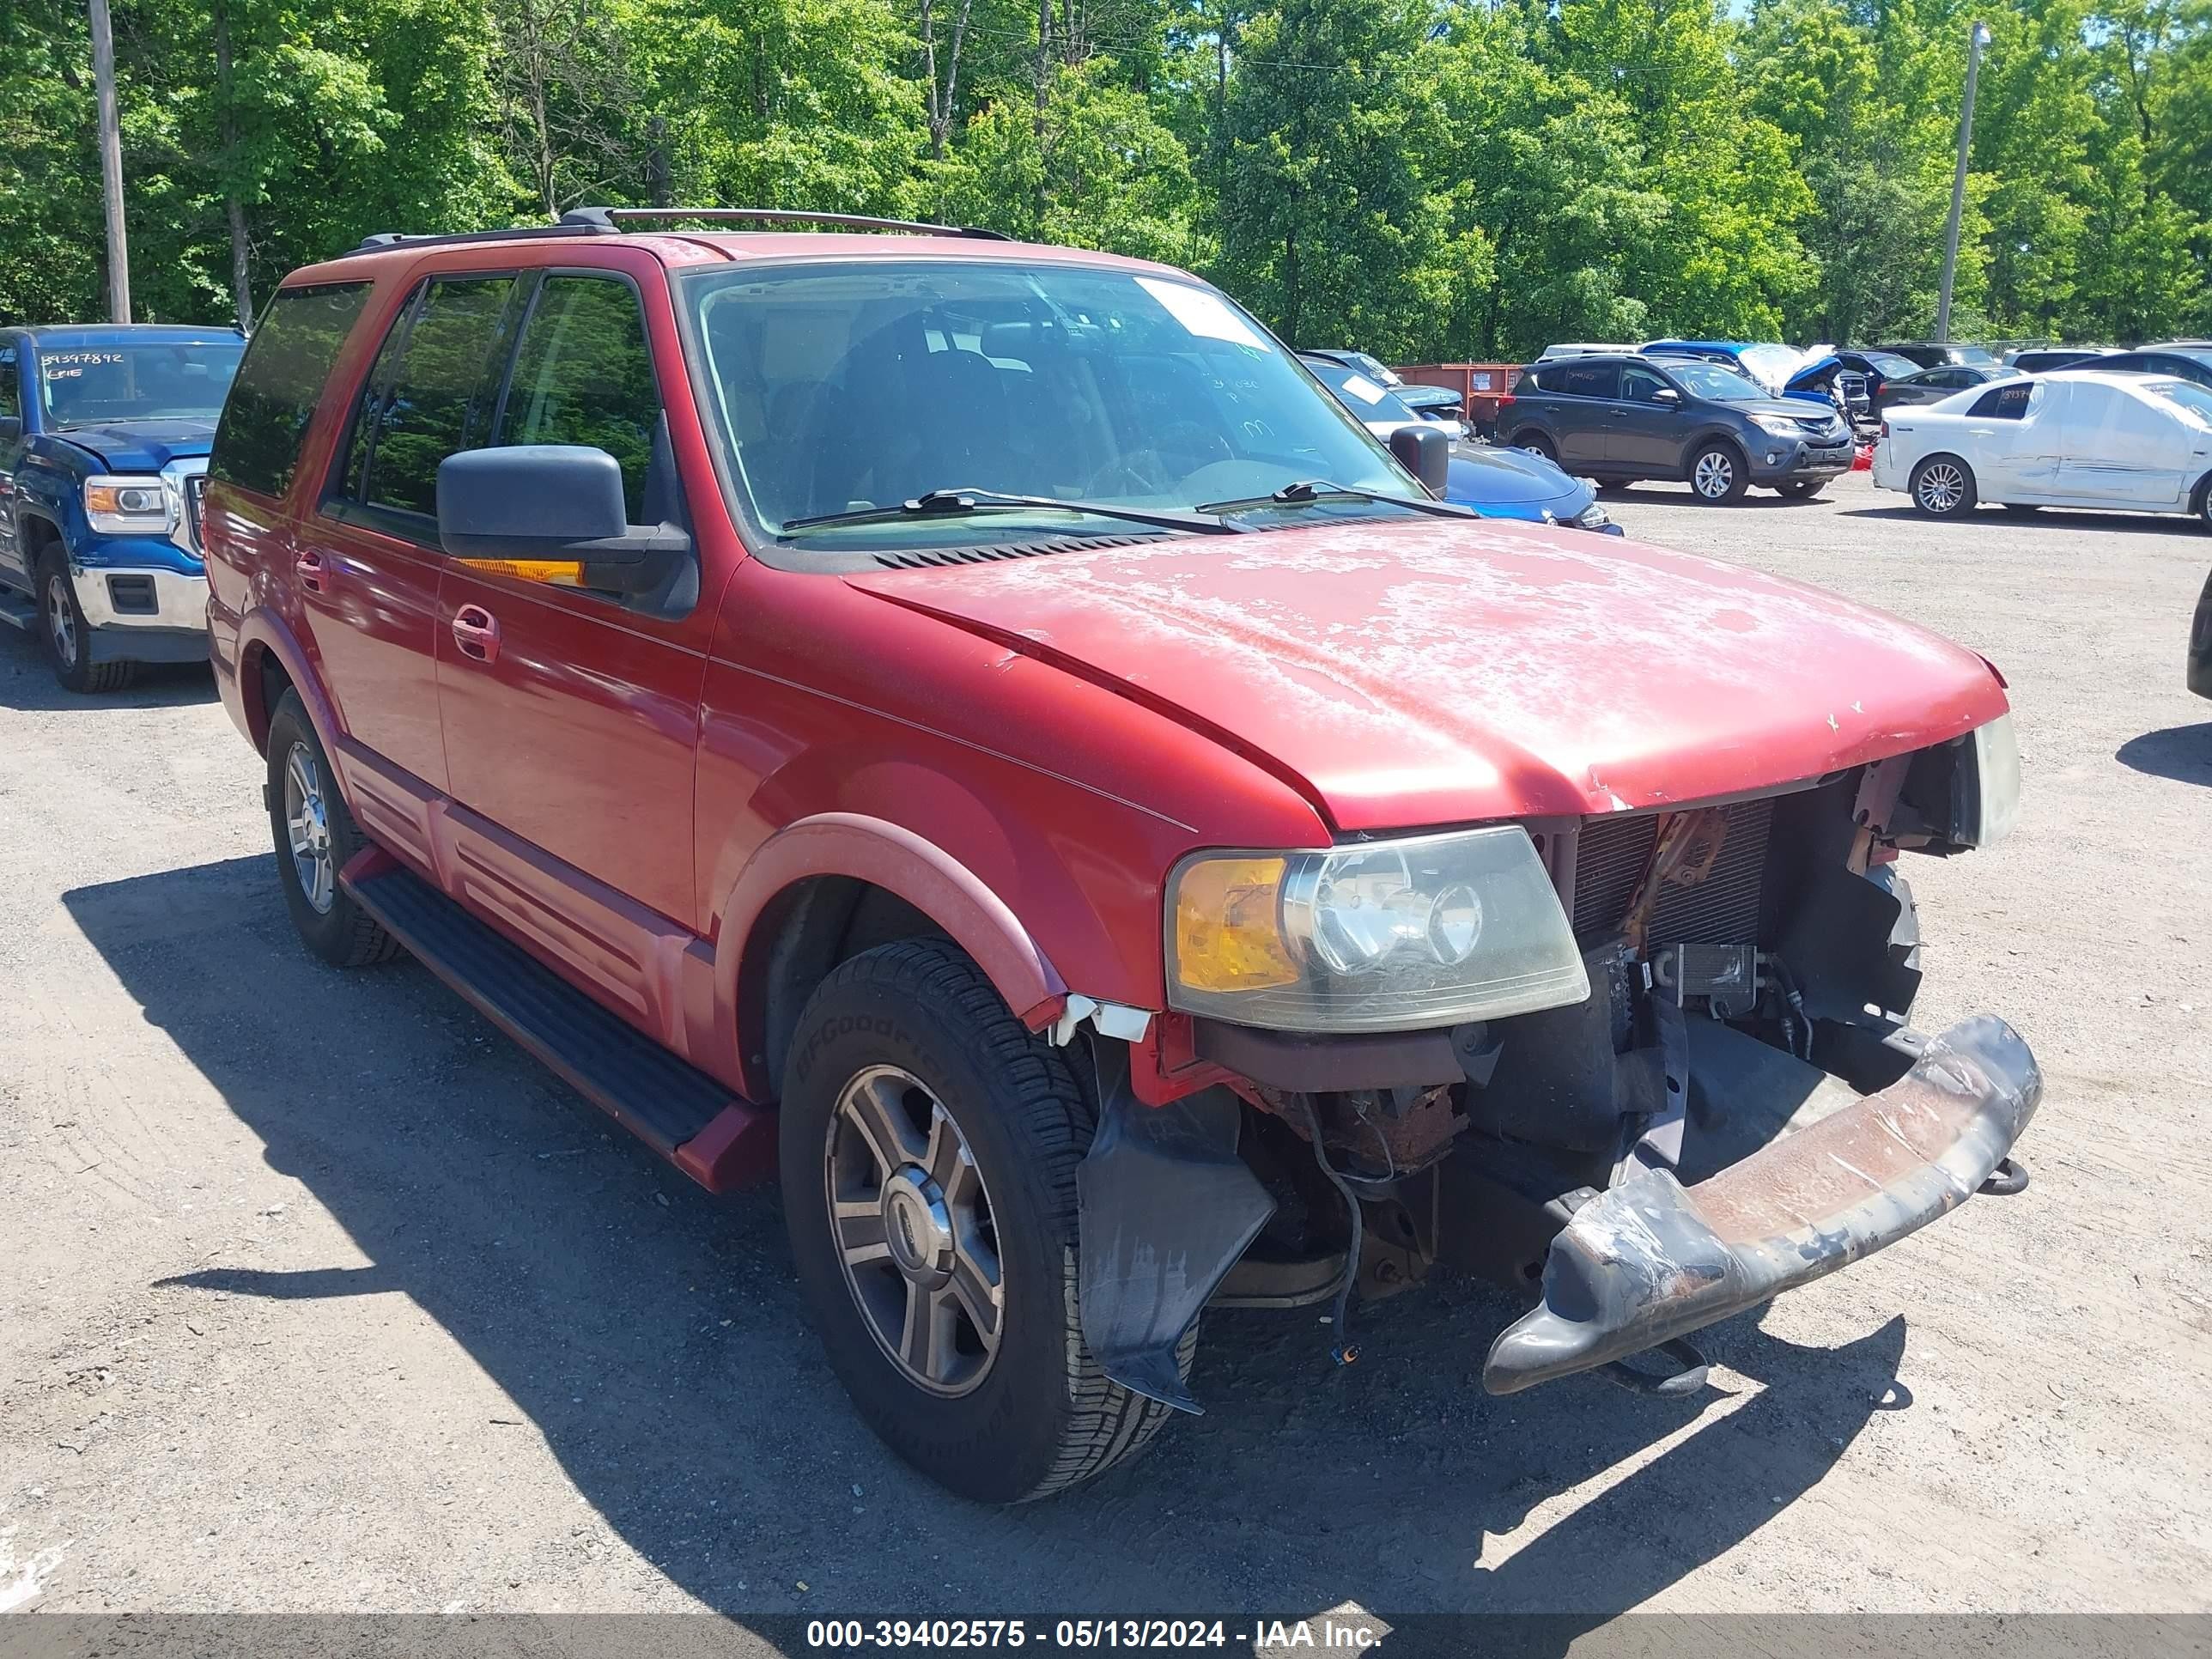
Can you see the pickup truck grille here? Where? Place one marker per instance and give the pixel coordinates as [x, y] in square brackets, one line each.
[1610, 857]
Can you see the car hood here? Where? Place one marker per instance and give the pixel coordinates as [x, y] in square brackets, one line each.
[1424, 673]
[1483, 475]
[1793, 406]
[1814, 373]
[125, 447]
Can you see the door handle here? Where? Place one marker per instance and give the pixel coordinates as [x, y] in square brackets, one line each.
[309, 568]
[476, 630]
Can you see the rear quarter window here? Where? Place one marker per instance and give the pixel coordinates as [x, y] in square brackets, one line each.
[265, 419]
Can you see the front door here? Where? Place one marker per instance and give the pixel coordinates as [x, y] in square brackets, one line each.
[1645, 434]
[366, 559]
[571, 717]
[2126, 450]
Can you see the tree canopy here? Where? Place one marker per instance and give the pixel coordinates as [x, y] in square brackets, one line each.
[1424, 179]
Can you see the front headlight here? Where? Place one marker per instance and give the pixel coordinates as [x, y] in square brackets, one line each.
[1593, 517]
[126, 507]
[1782, 425]
[1986, 796]
[1388, 935]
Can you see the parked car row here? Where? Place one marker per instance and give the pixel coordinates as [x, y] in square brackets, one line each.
[1008, 751]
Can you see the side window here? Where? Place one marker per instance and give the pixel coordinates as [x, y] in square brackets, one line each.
[431, 393]
[1640, 385]
[1589, 379]
[264, 418]
[11, 395]
[584, 375]
[2009, 400]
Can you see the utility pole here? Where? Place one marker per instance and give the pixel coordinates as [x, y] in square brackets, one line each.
[1975, 39]
[110, 163]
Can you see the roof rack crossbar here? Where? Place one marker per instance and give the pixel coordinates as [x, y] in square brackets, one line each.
[614, 218]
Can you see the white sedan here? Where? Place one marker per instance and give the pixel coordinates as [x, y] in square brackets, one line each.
[2136, 443]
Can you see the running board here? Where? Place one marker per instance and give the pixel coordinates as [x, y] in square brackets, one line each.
[717, 1139]
[20, 610]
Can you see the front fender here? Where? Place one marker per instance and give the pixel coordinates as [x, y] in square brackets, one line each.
[889, 856]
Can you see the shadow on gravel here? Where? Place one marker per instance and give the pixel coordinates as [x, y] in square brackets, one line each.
[27, 683]
[2160, 523]
[2180, 752]
[1666, 495]
[652, 1335]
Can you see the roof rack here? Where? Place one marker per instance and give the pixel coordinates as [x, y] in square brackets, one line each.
[616, 218]
[603, 222]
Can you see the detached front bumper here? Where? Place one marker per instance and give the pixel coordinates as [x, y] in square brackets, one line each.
[1651, 1260]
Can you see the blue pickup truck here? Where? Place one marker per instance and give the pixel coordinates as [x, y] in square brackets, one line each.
[104, 433]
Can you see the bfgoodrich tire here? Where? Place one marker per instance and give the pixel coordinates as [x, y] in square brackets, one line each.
[315, 837]
[1942, 487]
[928, 1144]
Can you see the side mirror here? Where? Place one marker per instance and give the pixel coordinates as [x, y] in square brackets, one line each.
[1668, 396]
[1424, 451]
[559, 506]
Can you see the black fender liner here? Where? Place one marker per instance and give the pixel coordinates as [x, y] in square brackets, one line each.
[1165, 1207]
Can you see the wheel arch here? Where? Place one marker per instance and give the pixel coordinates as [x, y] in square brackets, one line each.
[2198, 496]
[822, 890]
[270, 661]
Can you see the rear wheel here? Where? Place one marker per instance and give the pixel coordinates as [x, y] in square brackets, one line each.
[1717, 474]
[1942, 487]
[929, 1144]
[1537, 444]
[316, 837]
[67, 636]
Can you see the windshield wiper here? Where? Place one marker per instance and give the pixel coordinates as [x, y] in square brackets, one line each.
[954, 503]
[1306, 491]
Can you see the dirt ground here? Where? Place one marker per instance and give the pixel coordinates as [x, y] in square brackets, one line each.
[316, 1294]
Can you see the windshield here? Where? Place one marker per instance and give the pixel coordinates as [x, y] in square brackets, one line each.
[838, 387]
[136, 381]
[1889, 365]
[1974, 354]
[2196, 399]
[1702, 379]
[1361, 394]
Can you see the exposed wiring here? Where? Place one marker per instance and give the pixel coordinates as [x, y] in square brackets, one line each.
[1344, 1353]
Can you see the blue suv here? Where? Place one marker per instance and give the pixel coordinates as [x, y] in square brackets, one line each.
[103, 434]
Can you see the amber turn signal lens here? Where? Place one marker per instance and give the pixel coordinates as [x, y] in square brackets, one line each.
[558, 573]
[1227, 934]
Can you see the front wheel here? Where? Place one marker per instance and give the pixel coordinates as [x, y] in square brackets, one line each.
[1942, 487]
[67, 636]
[1802, 489]
[928, 1144]
[316, 837]
[1716, 473]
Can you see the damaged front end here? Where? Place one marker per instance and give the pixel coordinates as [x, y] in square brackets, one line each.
[1738, 1106]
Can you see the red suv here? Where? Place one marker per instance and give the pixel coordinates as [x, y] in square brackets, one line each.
[799, 684]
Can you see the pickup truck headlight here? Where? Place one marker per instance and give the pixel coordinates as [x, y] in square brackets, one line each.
[1985, 794]
[1386, 935]
[1782, 425]
[126, 507]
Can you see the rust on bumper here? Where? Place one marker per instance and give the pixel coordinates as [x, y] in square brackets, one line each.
[1651, 1260]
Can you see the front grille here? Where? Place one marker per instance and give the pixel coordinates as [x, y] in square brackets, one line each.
[1724, 908]
[195, 499]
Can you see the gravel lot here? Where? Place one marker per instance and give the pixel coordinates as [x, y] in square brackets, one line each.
[319, 1294]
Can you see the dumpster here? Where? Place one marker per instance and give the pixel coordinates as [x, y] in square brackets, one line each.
[1480, 385]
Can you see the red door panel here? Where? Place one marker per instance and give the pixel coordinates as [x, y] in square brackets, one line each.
[369, 603]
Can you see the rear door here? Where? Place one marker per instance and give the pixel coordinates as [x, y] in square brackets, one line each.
[11, 453]
[2015, 438]
[368, 557]
[1582, 412]
[571, 716]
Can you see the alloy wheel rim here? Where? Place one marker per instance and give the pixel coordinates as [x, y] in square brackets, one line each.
[307, 829]
[61, 621]
[913, 1227]
[1940, 487]
[1714, 474]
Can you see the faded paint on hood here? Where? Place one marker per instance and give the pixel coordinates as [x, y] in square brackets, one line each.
[1424, 673]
